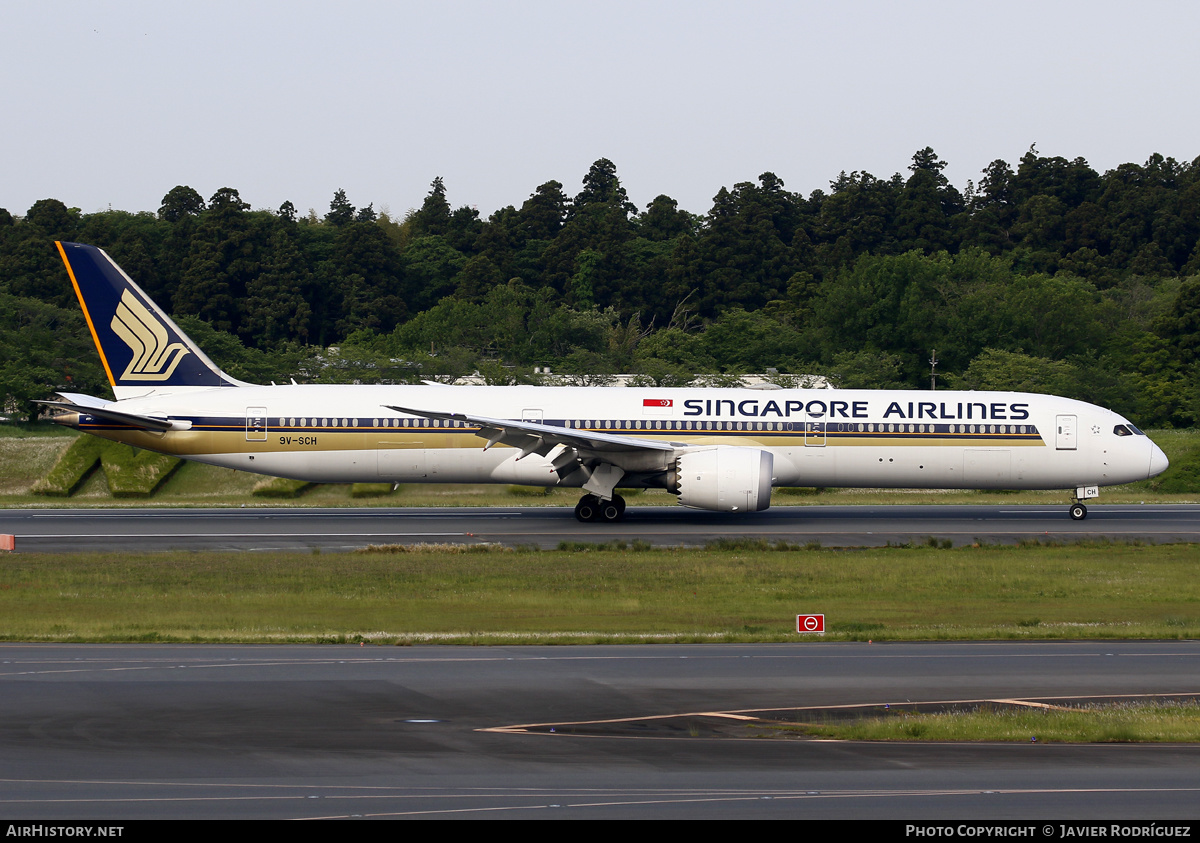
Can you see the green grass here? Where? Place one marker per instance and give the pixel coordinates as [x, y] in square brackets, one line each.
[1102, 723]
[133, 473]
[72, 468]
[371, 490]
[1183, 450]
[280, 487]
[605, 594]
[128, 472]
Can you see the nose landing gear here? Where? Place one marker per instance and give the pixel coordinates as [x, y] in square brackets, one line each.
[591, 508]
[1078, 510]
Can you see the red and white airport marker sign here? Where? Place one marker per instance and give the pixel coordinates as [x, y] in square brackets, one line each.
[806, 624]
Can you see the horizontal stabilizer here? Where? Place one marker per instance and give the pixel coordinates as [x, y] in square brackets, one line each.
[101, 410]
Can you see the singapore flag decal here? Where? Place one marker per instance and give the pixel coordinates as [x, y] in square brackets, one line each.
[657, 406]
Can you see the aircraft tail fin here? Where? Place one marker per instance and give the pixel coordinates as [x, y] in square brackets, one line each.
[142, 350]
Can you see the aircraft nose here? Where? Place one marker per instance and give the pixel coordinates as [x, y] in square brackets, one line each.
[1158, 461]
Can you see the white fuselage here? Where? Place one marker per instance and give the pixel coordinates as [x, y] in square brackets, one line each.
[870, 438]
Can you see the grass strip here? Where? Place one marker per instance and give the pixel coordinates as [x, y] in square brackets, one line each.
[280, 487]
[129, 472]
[1104, 723]
[371, 490]
[604, 594]
[132, 473]
[71, 469]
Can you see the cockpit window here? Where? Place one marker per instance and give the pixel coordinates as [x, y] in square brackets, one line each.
[1135, 430]
[1122, 430]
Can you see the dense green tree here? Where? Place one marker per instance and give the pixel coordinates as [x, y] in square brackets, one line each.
[663, 220]
[478, 275]
[181, 201]
[341, 212]
[464, 230]
[866, 370]
[743, 256]
[277, 307]
[1181, 326]
[55, 219]
[542, 214]
[597, 224]
[992, 210]
[602, 187]
[431, 266]
[908, 305]
[1070, 182]
[30, 267]
[581, 289]
[222, 258]
[227, 201]
[742, 341]
[1053, 262]
[928, 207]
[1009, 371]
[433, 217]
[43, 348]
[671, 351]
[371, 280]
[657, 280]
[856, 218]
[204, 288]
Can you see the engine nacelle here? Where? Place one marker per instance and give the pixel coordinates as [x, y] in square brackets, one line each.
[724, 479]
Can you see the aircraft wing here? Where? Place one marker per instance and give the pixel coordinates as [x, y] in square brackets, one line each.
[541, 439]
[101, 409]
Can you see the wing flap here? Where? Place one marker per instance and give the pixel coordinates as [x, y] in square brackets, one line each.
[541, 439]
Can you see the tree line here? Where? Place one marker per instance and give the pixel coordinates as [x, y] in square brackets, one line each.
[1045, 277]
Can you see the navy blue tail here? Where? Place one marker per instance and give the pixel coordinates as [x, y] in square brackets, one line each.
[139, 345]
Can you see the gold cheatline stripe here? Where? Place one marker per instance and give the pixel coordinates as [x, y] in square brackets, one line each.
[87, 316]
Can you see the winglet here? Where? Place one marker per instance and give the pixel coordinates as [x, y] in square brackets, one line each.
[141, 348]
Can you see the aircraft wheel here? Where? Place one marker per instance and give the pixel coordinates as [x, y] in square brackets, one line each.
[588, 508]
[1078, 512]
[612, 510]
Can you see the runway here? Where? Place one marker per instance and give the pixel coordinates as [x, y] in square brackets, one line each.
[296, 528]
[128, 732]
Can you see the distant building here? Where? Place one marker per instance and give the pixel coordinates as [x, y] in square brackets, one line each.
[772, 380]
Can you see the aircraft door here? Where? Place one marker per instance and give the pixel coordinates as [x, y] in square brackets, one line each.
[256, 424]
[1065, 439]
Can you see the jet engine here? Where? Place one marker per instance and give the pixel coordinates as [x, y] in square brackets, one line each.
[724, 479]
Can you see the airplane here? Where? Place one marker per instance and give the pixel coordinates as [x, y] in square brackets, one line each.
[715, 449]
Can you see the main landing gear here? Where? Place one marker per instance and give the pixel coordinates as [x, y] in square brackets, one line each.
[591, 508]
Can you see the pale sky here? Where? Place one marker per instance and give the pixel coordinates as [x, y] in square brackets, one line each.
[109, 103]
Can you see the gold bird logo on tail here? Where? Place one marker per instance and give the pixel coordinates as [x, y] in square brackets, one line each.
[154, 359]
